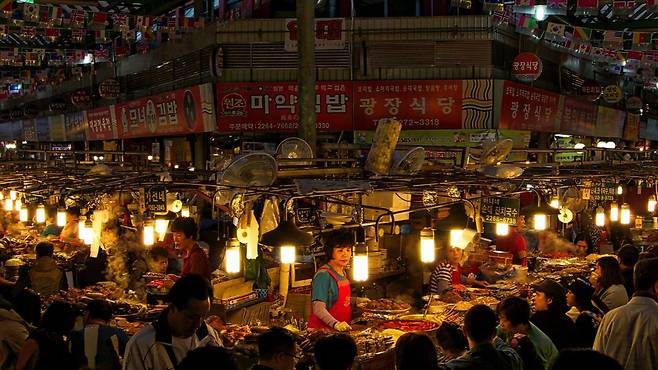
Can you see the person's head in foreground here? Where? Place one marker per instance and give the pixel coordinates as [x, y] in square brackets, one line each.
[415, 351]
[207, 357]
[480, 325]
[579, 359]
[276, 349]
[335, 352]
[189, 303]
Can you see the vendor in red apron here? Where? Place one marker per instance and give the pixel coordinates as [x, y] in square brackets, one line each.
[331, 294]
[451, 273]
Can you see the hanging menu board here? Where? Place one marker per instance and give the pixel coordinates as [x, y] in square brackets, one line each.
[155, 199]
[603, 191]
[500, 210]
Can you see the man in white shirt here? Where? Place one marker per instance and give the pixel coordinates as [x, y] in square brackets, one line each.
[629, 333]
[179, 329]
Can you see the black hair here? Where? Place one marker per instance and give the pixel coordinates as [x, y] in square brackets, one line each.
[480, 323]
[28, 305]
[100, 309]
[188, 287]
[528, 353]
[185, 225]
[415, 351]
[44, 249]
[569, 359]
[202, 357]
[610, 272]
[275, 340]
[451, 338]
[645, 274]
[59, 318]
[335, 352]
[73, 211]
[340, 238]
[159, 252]
[628, 255]
[515, 309]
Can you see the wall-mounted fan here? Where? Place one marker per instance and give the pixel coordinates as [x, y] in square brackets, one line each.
[492, 154]
[294, 148]
[572, 200]
[255, 169]
[408, 163]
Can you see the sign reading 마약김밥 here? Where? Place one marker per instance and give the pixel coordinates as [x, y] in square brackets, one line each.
[500, 210]
[328, 34]
[416, 104]
[274, 106]
[179, 112]
[528, 108]
[578, 117]
[101, 124]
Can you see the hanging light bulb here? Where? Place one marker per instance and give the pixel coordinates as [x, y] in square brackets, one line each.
[13, 194]
[456, 237]
[2, 195]
[161, 225]
[18, 204]
[360, 272]
[89, 233]
[288, 254]
[620, 190]
[540, 221]
[149, 234]
[185, 211]
[625, 218]
[651, 204]
[232, 257]
[427, 245]
[9, 205]
[41, 214]
[81, 229]
[600, 217]
[22, 214]
[614, 212]
[61, 217]
[502, 229]
[555, 202]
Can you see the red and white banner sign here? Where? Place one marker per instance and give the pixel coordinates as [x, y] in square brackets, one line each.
[578, 117]
[328, 34]
[527, 108]
[274, 106]
[416, 104]
[179, 112]
[101, 124]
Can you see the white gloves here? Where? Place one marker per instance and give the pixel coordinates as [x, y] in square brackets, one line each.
[342, 326]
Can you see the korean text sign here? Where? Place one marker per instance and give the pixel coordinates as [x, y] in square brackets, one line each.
[603, 191]
[578, 117]
[528, 108]
[101, 124]
[500, 210]
[274, 106]
[416, 104]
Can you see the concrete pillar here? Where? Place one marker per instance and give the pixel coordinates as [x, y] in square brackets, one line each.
[306, 71]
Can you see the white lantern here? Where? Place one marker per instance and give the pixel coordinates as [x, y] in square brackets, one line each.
[81, 229]
[161, 225]
[427, 246]
[360, 272]
[620, 190]
[232, 257]
[41, 214]
[61, 218]
[89, 234]
[651, 204]
[13, 194]
[22, 214]
[288, 254]
[149, 234]
[185, 211]
[555, 202]
[502, 229]
[9, 205]
[614, 212]
[540, 221]
[456, 237]
[600, 217]
[18, 204]
[625, 214]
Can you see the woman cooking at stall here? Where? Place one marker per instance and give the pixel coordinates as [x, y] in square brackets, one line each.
[451, 273]
[331, 294]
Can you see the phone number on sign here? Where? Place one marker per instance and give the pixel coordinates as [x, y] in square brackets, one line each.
[272, 126]
[424, 122]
